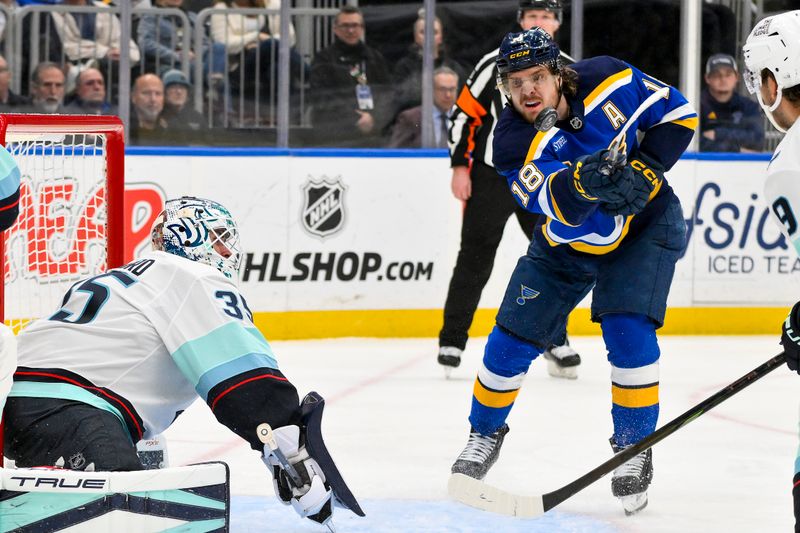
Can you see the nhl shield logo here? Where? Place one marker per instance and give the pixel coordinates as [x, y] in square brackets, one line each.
[323, 206]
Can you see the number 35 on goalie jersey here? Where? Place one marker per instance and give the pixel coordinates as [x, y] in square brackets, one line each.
[162, 330]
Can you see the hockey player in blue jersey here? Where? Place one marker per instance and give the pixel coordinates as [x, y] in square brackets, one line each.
[613, 225]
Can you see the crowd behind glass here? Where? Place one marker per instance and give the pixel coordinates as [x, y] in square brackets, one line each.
[206, 73]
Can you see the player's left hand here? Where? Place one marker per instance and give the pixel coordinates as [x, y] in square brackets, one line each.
[790, 338]
[645, 174]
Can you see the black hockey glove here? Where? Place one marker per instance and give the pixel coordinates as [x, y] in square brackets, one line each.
[593, 180]
[644, 175]
[790, 338]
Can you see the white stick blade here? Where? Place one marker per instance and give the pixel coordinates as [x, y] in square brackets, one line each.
[478, 494]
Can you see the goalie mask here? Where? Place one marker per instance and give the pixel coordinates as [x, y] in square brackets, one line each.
[200, 230]
[774, 45]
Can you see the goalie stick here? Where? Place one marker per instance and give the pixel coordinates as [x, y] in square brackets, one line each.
[476, 493]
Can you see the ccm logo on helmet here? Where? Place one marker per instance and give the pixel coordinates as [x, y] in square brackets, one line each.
[60, 483]
[519, 54]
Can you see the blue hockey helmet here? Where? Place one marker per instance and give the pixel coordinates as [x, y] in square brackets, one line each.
[199, 230]
[526, 49]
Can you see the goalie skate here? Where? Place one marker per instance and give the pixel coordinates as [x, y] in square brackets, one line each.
[630, 481]
[562, 361]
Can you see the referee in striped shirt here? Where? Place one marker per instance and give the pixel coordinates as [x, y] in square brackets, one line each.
[488, 202]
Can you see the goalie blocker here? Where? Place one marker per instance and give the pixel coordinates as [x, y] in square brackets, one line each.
[303, 471]
[192, 498]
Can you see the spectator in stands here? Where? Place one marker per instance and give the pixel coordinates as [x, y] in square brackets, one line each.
[350, 91]
[9, 100]
[407, 131]
[187, 125]
[251, 42]
[47, 88]
[11, 5]
[91, 37]
[729, 122]
[159, 38]
[90, 95]
[407, 75]
[147, 126]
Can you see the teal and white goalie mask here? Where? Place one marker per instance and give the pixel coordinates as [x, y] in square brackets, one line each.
[200, 230]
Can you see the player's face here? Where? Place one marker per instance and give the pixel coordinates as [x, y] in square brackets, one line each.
[219, 237]
[542, 18]
[532, 90]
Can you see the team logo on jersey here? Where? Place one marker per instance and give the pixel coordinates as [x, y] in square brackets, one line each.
[323, 206]
[526, 293]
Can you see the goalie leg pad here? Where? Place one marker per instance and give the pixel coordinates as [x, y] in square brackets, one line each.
[195, 497]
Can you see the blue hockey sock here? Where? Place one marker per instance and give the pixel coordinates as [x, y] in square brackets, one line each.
[506, 361]
[633, 353]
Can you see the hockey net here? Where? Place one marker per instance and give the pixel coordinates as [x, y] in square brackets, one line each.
[70, 222]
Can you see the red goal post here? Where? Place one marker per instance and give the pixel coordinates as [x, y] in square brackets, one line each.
[70, 222]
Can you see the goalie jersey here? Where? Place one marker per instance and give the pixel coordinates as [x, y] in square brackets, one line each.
[536, 163]
[144, 340]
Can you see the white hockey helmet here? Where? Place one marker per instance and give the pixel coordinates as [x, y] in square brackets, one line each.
[200, 230]
[774, 44]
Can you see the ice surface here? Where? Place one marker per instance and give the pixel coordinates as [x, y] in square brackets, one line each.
[394, 426]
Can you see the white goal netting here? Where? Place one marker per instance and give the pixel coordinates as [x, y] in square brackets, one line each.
[61, 233]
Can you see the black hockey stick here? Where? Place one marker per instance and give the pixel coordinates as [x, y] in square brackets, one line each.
[476, 493]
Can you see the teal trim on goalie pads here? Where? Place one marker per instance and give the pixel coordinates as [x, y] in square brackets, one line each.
[34, 512]
[198, 527]
[227, 351]
[65, 391]
[797, 463]
[31, 507]
[181, 496]
[9, 174]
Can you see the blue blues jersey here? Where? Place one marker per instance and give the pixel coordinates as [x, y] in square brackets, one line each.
[536, 164]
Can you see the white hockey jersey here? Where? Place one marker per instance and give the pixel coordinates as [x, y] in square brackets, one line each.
[142, 342]
[782, 187]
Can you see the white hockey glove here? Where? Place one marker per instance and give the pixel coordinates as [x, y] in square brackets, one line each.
[303, 483]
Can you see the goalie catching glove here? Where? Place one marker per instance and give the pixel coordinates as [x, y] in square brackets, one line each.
[644, 174]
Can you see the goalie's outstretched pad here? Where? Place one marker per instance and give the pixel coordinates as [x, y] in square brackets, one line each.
[311, 413]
